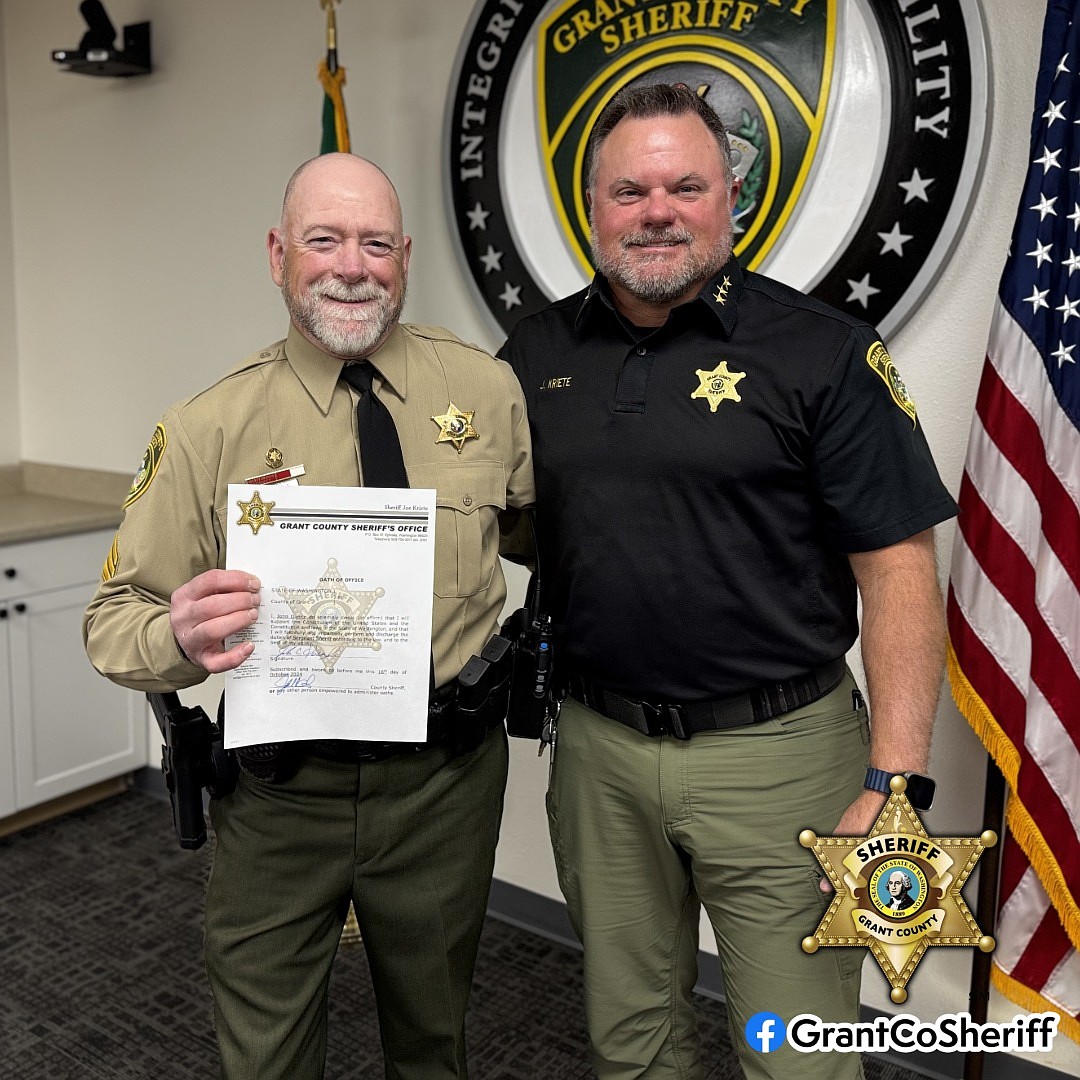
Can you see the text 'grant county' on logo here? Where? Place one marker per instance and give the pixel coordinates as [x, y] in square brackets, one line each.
[857, 127]
[897, 890]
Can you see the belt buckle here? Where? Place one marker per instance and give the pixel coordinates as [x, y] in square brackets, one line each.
[369, 751]
[665, 719]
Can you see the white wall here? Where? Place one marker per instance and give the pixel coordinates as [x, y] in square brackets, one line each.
[139, 209]
[9, 372]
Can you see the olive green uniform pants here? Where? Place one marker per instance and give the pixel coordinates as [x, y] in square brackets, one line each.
[411, 841]
[645, 830]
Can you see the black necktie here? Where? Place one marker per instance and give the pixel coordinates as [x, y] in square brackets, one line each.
[380, 448]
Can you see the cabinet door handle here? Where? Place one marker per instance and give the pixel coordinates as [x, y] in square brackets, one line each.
[9, 572]
[20, 609]
[3, 612]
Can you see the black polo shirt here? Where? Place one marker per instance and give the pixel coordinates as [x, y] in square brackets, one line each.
[700, 485]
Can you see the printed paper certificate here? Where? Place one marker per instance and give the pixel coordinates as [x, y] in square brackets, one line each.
[343, 639]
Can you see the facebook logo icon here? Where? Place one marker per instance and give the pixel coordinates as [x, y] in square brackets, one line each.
[765, 1031]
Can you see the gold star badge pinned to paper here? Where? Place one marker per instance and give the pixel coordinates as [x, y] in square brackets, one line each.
[718, 384]
[897, 890]
[455, 426]
[255, 513]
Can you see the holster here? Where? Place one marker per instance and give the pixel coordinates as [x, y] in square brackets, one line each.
[483, 695]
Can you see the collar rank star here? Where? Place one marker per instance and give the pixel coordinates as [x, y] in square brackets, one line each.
[718, 384]
[722, 291]
[255, 513]
[455, 426]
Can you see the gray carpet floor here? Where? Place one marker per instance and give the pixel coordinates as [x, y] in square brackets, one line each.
[101, 973]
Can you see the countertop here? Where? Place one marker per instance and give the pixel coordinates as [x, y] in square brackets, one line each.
[39, 501]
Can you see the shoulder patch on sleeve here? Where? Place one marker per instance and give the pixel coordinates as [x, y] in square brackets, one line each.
[877, 356]
[149, 466]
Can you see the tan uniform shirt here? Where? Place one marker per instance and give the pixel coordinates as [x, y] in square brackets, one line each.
[288, 398]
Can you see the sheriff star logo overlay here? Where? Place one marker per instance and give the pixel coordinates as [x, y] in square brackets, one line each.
[857, 126]
[897, 890]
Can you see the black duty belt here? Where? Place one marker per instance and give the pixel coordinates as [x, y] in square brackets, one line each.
[686, 718]
[448, 726]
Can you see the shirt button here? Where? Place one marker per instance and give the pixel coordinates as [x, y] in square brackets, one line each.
[467, 500]
[641, 350]
[264, 355]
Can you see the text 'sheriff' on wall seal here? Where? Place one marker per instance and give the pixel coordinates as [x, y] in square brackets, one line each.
[897, 890]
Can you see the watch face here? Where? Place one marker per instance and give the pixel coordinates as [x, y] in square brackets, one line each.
[920, 791]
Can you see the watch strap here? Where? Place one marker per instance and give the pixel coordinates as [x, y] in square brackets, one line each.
[878, 780]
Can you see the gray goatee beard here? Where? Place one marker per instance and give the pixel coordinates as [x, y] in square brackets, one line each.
[651, 278]
[348, 334]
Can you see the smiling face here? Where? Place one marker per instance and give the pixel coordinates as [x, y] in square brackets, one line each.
[340, 256]
[661, 206]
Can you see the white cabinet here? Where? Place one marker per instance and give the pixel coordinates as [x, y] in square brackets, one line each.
[62, 726]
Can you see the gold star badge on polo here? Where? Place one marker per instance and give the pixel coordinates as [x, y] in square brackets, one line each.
[455, 426]
[255, 513]
[897, 890]
[718, 385]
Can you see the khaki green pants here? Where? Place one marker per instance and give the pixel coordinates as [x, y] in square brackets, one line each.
[411, 841]
[645, 830]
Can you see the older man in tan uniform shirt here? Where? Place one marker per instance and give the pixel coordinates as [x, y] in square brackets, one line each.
[408, 838]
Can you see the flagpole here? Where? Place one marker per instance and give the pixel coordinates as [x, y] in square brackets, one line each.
[331, 34]
[986, 909]
[335, 126]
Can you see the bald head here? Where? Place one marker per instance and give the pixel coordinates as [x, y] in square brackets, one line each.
[337, 169]
[340, 255]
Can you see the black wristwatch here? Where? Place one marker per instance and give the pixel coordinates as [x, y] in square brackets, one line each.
[920, 789]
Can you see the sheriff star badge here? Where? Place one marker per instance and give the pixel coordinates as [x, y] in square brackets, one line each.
[455, 426]
[897, 890]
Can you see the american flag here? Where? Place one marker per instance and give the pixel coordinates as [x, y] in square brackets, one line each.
[1014, 593]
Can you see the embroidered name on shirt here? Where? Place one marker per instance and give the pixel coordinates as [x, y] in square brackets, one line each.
[562, 383]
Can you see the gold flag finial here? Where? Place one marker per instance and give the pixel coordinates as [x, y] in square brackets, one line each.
[331, 33]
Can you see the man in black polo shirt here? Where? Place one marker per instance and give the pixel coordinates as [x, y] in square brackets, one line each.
[722, 465]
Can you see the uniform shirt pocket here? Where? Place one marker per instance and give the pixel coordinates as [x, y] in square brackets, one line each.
[468, 498]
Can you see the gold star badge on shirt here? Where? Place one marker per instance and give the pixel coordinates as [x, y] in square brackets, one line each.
[897, 890]
[255, 513]
[455, 426]
[718, 384]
